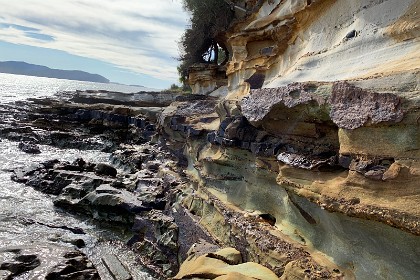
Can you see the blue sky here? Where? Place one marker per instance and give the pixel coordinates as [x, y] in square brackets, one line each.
[127, 41]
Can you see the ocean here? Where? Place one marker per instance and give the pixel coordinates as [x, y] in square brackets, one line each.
[20, 87]
[25, 212]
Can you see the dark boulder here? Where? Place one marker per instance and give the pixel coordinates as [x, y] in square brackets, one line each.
[29, 148]
[105, 169]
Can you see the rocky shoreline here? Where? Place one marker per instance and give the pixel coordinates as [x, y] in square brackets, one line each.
[170, 182]
[139, 189]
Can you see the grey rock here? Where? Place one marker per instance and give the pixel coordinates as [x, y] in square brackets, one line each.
[306, 162]
[157, 227]
[21, 264]
[116, 268]
[353, 107]
[74, 266]
[45, 261]
[111, 204]
[261, 101]
[5, 274]
[105, 169]
[29, 148]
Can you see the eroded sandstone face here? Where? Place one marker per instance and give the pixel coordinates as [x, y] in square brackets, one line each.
[205, 78]
[319, 132]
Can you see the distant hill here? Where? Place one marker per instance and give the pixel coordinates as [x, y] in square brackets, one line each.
[23, 68]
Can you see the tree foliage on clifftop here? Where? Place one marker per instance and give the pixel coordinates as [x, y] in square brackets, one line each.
[205, 38]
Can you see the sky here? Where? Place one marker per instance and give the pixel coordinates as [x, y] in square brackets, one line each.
[127, 41]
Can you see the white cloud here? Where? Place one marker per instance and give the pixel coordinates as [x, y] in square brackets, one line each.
[137, 35]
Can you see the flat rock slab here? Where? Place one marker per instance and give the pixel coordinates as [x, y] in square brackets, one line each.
[5, 274]
[116, 268]
[45, 261]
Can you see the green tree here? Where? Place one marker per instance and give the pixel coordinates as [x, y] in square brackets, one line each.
[204, 40]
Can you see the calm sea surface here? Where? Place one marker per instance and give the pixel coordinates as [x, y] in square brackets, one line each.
[19, 203]
[19, 87]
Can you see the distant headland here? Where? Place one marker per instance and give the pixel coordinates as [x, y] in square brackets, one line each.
[23, 68]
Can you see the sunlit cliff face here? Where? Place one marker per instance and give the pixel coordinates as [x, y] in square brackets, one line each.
[319, 131]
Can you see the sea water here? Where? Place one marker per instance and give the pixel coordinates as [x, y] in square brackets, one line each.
[25, 212]
[20, 87]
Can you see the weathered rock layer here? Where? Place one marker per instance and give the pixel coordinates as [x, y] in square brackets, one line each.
[318, 134]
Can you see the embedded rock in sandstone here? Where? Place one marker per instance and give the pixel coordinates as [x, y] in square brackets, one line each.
[261, 101]
[349, 107]
[353, 107]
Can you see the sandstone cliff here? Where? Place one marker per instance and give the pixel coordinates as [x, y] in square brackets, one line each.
[316, 133]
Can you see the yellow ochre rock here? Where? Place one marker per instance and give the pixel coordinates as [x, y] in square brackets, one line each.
[216, 266]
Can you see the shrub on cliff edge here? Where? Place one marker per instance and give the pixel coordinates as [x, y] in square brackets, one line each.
[204, 40]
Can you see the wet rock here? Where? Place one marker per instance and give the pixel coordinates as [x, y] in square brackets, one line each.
[158, 228]
[54, 181]
[75, 230]
[116, 268]
[21, 264]
[29, 148]
[45, 261]
[79, 165]
[80, 190]
[53, 177]
[131, 158]
[110, 204]
[74, 266]
[151, 192]
[22, 175]
[140, 99]
[153, 166]
[5, 274]
[157, 237]
[78, 242]
[105, 169]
